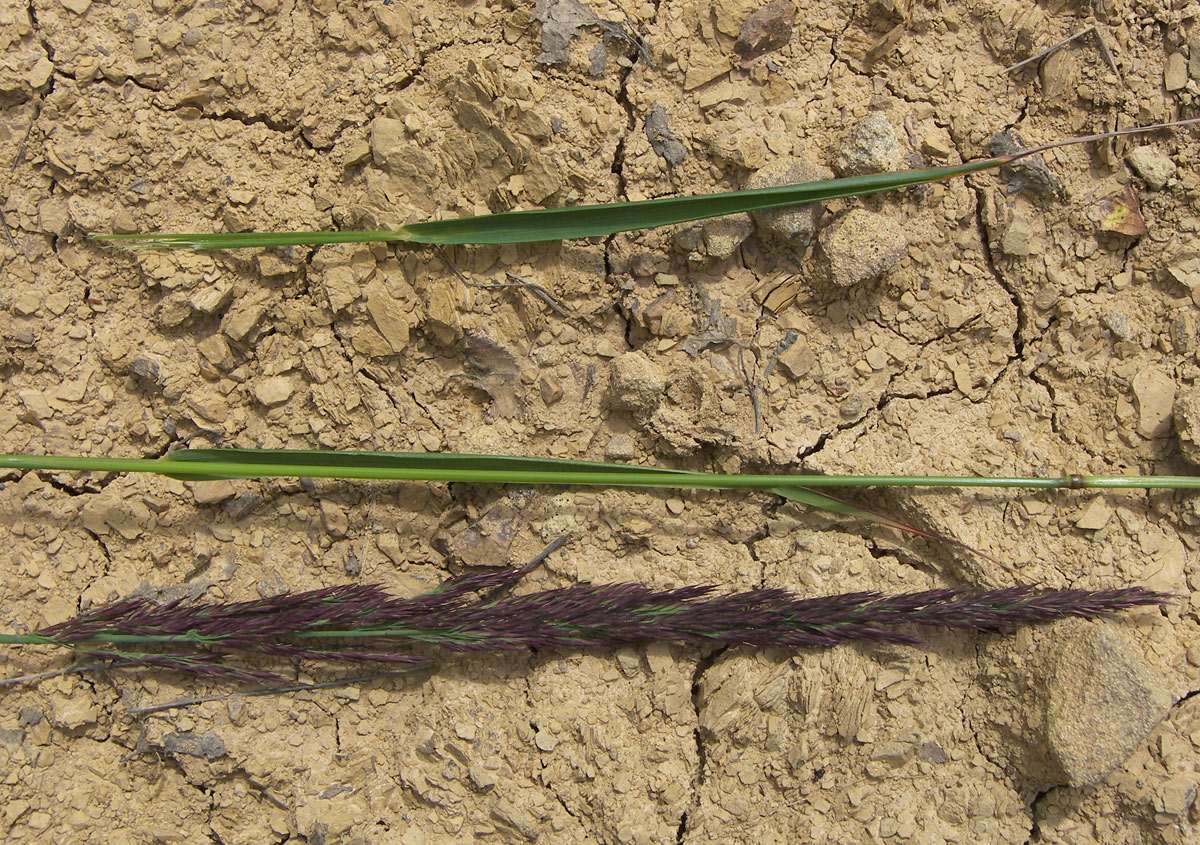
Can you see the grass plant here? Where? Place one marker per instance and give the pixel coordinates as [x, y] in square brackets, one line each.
[590, 221]
[207, 464]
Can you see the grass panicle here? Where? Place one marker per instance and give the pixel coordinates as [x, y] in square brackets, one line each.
[363, 623]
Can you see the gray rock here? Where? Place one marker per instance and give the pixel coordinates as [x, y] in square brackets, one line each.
[859, 246]
[636, 384]
[723, 235]
[207, 746]
[1102, 700]
[795, 223]
[662, 139]
[871, 147]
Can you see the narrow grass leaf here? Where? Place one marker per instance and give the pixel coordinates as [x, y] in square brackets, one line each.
[592, 221]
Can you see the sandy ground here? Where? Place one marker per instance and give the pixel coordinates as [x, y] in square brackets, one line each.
[1006, 324]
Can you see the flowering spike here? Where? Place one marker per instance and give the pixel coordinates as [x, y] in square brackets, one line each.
[473, 613]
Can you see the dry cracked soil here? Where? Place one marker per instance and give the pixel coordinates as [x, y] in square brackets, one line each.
[1029, 322]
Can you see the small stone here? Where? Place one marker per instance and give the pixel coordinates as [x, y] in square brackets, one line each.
[551, 389]
[1103, 699]
[1020, 238]
[334, 520]
[876, 358]
[620, 447]
[1177, 796]
[1183, 332]
[723, 235]
[212, 492]
[272, 266]
[388, 135]
[662, 140]
[797, 360]
[1154, 394]
[1187, 424]
[40, 73]
[242, 319]
[465, 730]
[393, 317]
[26, 304]
[871, 147]
[675, 505]
[936, 142]
[931, 752]
[274, 390]
[795, 223]
[1152, 165]
[1117, 323]
[215, 350]
[545, 741]
[488, 540]
[76, 6]
[861, 245]
[481, 778]
[211, 299]
[1095, 516]
[143, 49]
[767, 29]
[1175, 74]
[636, 383]
[705, 69]
[893, 753]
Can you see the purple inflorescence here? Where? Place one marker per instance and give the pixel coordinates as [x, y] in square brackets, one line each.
[468, 613]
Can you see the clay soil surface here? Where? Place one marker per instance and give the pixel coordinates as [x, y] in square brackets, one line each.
[1011, 323]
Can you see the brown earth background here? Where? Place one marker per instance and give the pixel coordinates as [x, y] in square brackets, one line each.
[1013, 332]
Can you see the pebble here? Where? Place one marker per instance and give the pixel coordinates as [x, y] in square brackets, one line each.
[871, 147]
[861, 245]
[798, 360]
[1187, 424]
[1020, 238]
[723, 235]
[1175, 74]
[1117, 323]
[675, 505]
[1153, 165]
[795, 223]
[664, 142]
[242, 319]
[893, 753]
[274, 390]
[636, 384]
[1102, 700]
[212, 492]
[334, 520]
[766, 30]
[620, 447]
[545, 741]
[26, 304]
[1154, 394]
[1095, 516]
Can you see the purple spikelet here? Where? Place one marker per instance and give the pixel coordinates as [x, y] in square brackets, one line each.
[467, 614]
